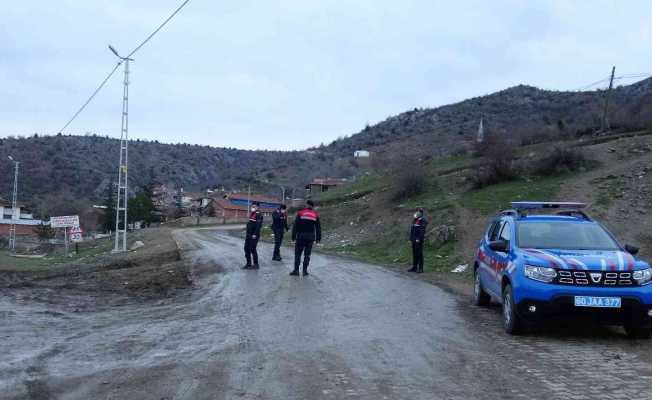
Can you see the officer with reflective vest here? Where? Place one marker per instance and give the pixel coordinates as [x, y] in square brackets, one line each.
[305, 232]
[254, 225]
[417, 237]
[279, 227]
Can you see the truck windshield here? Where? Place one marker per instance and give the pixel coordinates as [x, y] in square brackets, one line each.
[564, 235]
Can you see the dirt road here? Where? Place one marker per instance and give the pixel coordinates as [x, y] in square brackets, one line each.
[349, 330]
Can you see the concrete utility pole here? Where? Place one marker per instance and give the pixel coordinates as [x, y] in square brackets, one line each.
[123, 168]
[248, 198]
[605, 121]
[14, 207]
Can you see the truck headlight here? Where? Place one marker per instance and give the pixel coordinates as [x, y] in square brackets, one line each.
[541, 274]
[643, 277]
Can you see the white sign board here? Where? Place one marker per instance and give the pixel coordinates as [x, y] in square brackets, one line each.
[68, 221]
[76, 234]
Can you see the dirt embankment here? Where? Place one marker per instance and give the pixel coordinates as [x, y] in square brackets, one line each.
[154, 271]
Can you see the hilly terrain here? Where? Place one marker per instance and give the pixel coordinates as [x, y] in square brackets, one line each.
[63, 173]
[613, 174]
[522, 114]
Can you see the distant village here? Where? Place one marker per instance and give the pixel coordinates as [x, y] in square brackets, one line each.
[171, 205]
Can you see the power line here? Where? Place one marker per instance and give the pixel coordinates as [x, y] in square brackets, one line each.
[159, 28]
[92, 96]
[176, 11]
[607, 79]
[592, 84]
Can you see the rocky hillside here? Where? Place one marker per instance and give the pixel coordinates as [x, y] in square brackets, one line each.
[63, 173]
[60, 174]
[523, 114]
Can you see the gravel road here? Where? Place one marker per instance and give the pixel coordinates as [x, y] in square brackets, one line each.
[349, 330]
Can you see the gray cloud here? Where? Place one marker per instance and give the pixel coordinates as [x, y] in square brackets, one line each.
[294, 73]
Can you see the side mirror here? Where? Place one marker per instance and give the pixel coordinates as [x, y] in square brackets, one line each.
[500, 246]
[633, 250]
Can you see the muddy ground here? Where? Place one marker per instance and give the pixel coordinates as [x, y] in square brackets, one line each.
[152, 272]
[349, 330]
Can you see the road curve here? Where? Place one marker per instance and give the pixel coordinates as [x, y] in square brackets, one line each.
[349, 330]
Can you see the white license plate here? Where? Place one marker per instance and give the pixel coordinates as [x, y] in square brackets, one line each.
[600, 302]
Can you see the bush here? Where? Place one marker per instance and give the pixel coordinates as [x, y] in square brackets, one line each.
[499, 166]
[559, 161]
[408, 183]
[408, 177]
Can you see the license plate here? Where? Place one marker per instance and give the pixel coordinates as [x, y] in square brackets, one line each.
[600, 302]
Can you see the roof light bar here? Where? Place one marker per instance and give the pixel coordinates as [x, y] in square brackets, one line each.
[533, 205]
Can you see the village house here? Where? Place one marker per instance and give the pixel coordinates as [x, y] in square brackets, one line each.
[319, 185]
[19, 216]
[235, 206]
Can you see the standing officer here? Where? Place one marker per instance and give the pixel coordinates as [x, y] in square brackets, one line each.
[279, 227]
[305, 231]
[254, 225]
[417, 236]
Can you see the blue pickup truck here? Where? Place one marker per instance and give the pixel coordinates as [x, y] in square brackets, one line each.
[541, 259]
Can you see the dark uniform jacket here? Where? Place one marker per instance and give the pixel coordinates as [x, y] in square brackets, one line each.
[418, 230]
[307, 226]
[254, 224]
[279, 221]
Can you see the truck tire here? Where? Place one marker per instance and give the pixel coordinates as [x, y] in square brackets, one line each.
[512, 322]
[480, 297]
[635, 331]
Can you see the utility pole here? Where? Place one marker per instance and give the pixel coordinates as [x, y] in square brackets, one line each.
[249, 198]
[14, 207]
[123, 168]
[605, 121]
[283, 198]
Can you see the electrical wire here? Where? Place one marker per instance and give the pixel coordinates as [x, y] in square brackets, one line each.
[592, 84]
[101, 85]
[92, 96]
[616, 78]
[159, 28]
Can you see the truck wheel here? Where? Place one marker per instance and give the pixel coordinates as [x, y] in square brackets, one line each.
[635, 331]
[480, 297]
[512, 322]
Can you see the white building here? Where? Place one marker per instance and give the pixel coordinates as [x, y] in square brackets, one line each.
[9, 213]
[19, 216]
[361, 154]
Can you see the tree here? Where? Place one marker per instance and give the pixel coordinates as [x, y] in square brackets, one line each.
[141, 206]
[180, 211]
[108, 220]
[44, 232]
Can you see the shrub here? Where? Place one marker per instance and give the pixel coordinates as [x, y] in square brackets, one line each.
[408, 177]
[560, 160]
[499, 166]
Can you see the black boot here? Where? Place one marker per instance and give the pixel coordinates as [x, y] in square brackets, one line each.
[255, 266]
[295, 272]
[413, 269]
[305, 271]
[248, 266]
[420, 270]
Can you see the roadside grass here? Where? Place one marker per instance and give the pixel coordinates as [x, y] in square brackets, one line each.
[607, 191]
[494, 198]
[364, 185]
[448, 163]
[86, 250]
[399, 254]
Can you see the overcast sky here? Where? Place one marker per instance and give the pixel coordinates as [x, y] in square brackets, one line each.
[290, 74]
